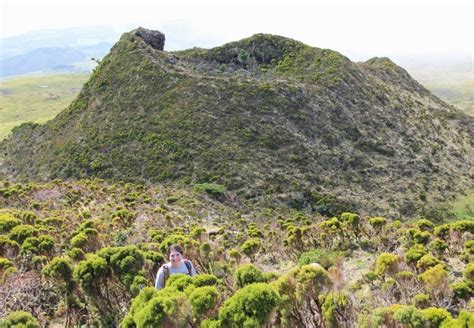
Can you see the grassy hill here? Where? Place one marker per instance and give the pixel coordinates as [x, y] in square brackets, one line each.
[269, 118]
[36, 98]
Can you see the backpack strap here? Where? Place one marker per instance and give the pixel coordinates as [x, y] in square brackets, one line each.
[166, 273]
[189, 266]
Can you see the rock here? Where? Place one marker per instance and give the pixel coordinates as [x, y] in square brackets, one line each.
[155, 39]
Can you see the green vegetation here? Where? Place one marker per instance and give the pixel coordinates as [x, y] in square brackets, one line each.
[36, 98]
[258, 266]
[271, 162]
[265, 120]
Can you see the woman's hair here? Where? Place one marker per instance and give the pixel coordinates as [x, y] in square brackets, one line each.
[176, 248]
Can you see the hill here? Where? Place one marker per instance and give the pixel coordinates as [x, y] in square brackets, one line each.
[270, 119]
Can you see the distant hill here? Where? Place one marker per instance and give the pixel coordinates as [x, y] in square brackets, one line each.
[54, 50]
[271, 119]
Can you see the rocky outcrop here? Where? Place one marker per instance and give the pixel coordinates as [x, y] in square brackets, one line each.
[155, 39]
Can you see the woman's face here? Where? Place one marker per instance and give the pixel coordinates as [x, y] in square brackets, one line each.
[175, 257]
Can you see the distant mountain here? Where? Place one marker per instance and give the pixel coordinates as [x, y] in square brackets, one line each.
[51, 50]
[273, 120]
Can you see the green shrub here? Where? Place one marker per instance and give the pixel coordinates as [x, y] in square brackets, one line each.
[79, 240]
[20, 232]
[247, 274]
[335, 303]
[377, 222]
[179, 281]
[415, 253]
[425, 225]
[212, 189]
[76, 254]
[250, 306]
[426, 262]
[386, 263]
[325, 257]
[203, 299]
[434, 317]
[202, 280]
[60, 269]
[90, 274]
[469, 272]
[434, 277]
[421, 300]
[20, 319]
[250, 247]
[7, 222]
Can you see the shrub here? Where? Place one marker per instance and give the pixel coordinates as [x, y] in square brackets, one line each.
[469, 272]
[425, 225]
[7, 222]
[60, 269]
[415, 253]
[426, 262]
[434, 277]
[76, 254]
[179, 281]
[324, 257]
[377, 222]
[421, 300]
[20, 319]
[434, 317]
[20, 232]
[90, 273]
[250, 247]
[247, 274]
[311, 280]
[335, 304]
[212, 189]
[202, 280]
[79, 240]
[386, 263]
[250, 306]
[125, 262]
[203, 299]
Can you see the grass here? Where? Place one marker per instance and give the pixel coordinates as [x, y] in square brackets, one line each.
[463, 206]
[36, 98]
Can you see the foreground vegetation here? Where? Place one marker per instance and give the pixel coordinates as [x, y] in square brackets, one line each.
[86, 252]
[36, 98]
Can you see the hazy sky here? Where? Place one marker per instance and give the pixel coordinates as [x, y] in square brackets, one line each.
[377, 28]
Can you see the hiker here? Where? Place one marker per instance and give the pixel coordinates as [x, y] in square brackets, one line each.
[177, 264]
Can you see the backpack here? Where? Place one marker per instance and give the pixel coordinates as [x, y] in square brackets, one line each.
[166, 270]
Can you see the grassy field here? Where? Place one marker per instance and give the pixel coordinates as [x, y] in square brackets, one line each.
[36, 98]
[463, 206]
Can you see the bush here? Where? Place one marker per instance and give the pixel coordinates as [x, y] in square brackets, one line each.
[250, 247]
[90, 273]
[247, 274]
[415, 253]
[469, 272]
[202, 280]
[434, 277]
[76, 254]
[250, 306]
[20, 232]
[326, 258]
[60, 269]
[7, 222]
[421, 300]
[386, 263]
[212, 189]
[203, 299]
[335, 303]
[434, 317]
[20, 319]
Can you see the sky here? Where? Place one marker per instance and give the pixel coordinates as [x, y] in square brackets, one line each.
[359, 29]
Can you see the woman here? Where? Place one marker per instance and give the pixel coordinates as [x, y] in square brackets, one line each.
[177, 264]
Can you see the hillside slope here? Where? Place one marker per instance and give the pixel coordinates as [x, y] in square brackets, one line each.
[270, 118]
